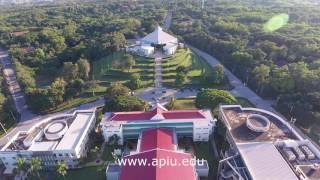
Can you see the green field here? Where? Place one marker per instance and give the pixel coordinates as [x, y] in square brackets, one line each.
[105, 74]
[196, 67]
[184, 103]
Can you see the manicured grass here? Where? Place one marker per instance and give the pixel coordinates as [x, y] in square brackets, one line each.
[184, 103]
[106, 74]
[195, 65]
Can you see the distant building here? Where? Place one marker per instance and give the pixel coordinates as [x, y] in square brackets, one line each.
[57, 138]
[158, 39]
[156, 145]
[264, 146]
[197, 124]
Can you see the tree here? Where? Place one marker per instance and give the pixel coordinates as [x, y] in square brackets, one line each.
[125, 103]
[35, 167]
[56, 92]
[218, 74]
[241, 58]
[281, 81]
[114, 139]
[62, 169]
[261, 75]
[114, 41]
[37, 99]
[84, 68]
[74, 88]
[21, 166]
[180, 78]
[116, 89]
[211, 98]
[128, 61]
[134, 82]
[70, 71]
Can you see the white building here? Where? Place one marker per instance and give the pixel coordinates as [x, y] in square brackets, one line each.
[197, 124]
[158, 39]
[57, 138]
[264, 146]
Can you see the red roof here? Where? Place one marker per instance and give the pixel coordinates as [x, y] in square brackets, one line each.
[166, 172]
[141, 115]
[157, 138]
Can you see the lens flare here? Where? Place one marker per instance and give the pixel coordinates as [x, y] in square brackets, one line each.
[276, 22]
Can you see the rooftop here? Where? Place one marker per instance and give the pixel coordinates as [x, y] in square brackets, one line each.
[236, 120]
[75, 131]
[158, 144]
[165, 172]
[62, 132]
[269, 146]
[265, 162]
[158, 36]
[157, 138]
[158, 113]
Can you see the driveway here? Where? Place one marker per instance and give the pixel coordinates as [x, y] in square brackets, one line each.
[18, 97]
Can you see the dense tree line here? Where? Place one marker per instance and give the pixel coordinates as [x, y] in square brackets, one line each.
[282, 64]
[59, 43]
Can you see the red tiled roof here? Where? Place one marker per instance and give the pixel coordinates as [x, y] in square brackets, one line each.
[166, 172]
[177, 114]
[192, 114]
[131, 116]
[157, 138]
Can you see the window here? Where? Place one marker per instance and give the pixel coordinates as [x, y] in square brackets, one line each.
[60, 155]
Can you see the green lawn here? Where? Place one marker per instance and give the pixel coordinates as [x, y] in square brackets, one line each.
[196, 67]
[184, 103]
[105, 74]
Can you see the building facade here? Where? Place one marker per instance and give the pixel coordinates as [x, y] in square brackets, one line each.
[198, 124]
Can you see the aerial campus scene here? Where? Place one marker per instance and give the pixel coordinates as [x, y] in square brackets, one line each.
[160, 90]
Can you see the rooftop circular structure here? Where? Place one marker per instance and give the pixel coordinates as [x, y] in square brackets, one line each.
[258, 123]
[55, 130]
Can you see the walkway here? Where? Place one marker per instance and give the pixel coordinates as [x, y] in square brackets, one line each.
[14, 87]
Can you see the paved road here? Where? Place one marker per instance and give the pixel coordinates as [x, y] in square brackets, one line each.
[26, 125]
[240, 90]
[8, 72]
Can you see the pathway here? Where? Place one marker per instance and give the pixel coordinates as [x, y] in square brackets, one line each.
[17, 94]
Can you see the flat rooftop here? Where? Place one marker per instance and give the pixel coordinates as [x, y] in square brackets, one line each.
[236, 119]
[75, 127]
[76, 130]
[264, 162]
